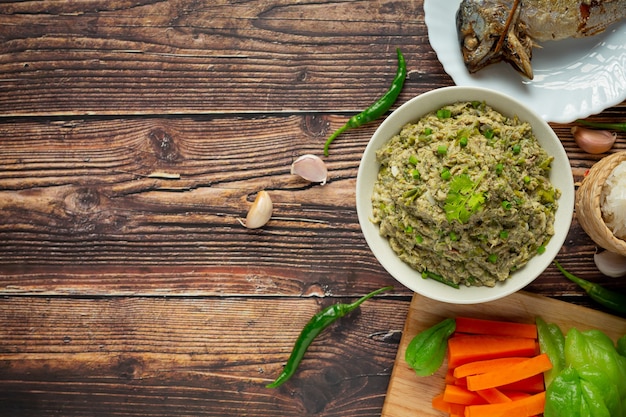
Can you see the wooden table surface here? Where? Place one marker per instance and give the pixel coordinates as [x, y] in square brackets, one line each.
[124, 292]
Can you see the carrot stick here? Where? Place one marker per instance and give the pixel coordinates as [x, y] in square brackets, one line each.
[451, 408]
[450, 378]
[524, 407]
[515, 395]
[465, 349]
[488, 365]
[531, 385]
[495, 327]
[493, 396]
[459, 395]
[533, 366]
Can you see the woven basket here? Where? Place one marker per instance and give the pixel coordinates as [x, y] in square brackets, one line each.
[588, 210]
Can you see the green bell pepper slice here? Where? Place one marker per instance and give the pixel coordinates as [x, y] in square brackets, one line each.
[552, 343]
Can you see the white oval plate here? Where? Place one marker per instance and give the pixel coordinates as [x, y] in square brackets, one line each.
[573, 78]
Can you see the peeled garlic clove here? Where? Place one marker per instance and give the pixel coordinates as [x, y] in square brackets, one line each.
[593, 141]
[610, 264]
[311, 168]
[260, 211]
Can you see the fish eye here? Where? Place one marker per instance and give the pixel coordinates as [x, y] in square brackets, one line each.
[470, 42]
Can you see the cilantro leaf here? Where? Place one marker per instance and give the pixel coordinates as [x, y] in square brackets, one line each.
[462, 200]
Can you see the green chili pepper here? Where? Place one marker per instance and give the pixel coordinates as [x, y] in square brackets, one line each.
[379, 107]
[439, 278]
[315, 326]
[426, 351]
[604, 125]
[612, 300]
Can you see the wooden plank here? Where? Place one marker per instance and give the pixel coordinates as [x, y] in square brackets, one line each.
[410, 395]
[181, 56]
[191, 356]
[84, 213]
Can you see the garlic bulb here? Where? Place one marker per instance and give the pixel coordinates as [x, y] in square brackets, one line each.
[311, 168]
[593, 141]
[610, 264]
[260, 211]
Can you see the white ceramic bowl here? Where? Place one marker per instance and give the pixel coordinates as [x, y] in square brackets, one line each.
[561, 177]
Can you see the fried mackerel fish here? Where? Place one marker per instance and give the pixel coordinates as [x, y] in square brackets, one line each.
[464, 195]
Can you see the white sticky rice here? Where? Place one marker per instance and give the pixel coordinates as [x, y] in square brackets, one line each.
[613, 201]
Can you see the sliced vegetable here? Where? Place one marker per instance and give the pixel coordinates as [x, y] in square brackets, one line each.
[460, 395]
[464, 349]
[534, 384]
[489, 365]
[585, 371]
[570, 396]
[621, 345]
[494, 369]
[592, 379]
[427, 350]
[596, 348]
[447, 407]
[513, 373]
[552, 343]
[495, 327]
[523, 407]
[493, 396]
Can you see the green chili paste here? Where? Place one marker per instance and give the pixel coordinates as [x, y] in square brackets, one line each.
[464, 193]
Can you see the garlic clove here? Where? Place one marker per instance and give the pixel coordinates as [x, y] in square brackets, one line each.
[593, 141]
[610, 264]
[260, 211]
[311, 168]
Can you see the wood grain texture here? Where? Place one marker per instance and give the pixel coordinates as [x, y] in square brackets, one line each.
[190, 357]
[182, 56]
[87, 202]
[133, 136]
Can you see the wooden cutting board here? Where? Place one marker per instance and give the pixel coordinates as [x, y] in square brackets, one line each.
[410, 395]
